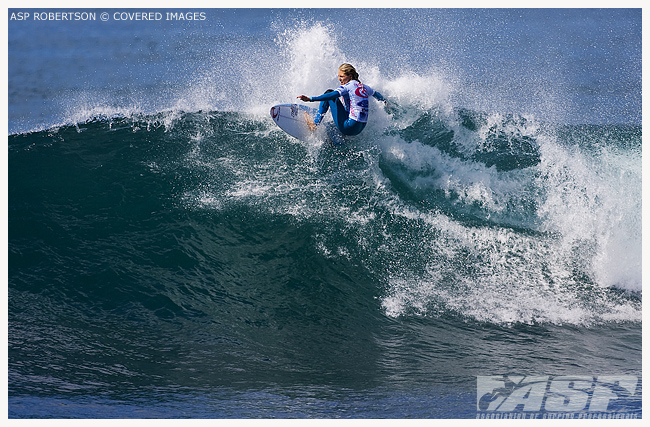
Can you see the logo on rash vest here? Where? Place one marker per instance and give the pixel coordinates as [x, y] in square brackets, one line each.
[361, 91]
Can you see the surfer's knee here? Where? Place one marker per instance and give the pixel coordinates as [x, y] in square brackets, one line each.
[352, 127]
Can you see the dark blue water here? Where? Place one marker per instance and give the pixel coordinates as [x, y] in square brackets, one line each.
[172, 253]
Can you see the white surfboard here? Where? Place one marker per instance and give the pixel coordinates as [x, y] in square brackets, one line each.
[291, 119]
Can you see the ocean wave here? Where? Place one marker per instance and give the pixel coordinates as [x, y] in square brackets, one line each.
[551, 238]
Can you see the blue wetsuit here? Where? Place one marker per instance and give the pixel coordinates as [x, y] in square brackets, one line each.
[350, 118]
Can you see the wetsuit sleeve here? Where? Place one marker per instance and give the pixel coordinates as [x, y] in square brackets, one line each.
[326, 96]
[378, 96]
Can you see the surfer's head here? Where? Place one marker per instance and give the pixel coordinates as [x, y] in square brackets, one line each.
[348, 71]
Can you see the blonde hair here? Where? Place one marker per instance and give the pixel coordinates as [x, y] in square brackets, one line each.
[350, 71]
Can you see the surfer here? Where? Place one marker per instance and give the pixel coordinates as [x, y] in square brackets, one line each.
[352, 117]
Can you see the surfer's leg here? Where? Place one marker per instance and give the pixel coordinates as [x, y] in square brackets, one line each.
[339, 114]
[322, 109]
[341, 117]
[352, 127]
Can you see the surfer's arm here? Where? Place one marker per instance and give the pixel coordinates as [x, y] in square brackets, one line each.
[379, 97]
[329, 96]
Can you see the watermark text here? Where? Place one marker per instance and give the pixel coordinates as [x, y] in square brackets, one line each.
[558, 397]
[107, 16]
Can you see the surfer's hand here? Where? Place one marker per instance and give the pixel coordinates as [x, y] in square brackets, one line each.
[304, 98]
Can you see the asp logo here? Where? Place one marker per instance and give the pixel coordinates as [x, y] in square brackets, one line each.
[567, 394]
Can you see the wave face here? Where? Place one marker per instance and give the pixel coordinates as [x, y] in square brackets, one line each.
[175, 250]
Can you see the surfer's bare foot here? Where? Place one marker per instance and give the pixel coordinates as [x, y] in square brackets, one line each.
[310, 122]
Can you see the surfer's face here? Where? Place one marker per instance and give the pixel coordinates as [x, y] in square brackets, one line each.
[343, 78]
